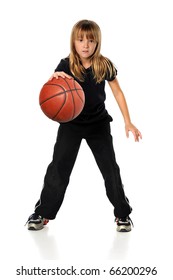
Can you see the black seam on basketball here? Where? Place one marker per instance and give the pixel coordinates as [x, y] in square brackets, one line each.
[65, 98]
[74, 107]
[71, 90]
[77, 91]
[57, 85]
[65, 79]
[59, 93]
[79, 94]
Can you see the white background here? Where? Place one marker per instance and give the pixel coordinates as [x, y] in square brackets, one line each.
[136, 36]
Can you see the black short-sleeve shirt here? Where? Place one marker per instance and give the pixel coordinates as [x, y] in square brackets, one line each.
[95, 96]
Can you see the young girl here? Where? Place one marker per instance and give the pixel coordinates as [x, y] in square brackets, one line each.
[87, 66]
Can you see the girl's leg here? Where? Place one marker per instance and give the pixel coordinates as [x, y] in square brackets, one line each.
[100, 142]
[58, 172]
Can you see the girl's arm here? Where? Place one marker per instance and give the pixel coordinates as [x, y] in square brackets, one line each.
[120, 98]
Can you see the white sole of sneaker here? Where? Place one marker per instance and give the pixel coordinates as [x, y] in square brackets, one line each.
[123, 228]
[33, 226]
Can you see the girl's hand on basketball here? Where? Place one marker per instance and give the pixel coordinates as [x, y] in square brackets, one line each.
[60, 74]
[136, 133]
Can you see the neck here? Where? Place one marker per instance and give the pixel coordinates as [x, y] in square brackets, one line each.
[86, 63]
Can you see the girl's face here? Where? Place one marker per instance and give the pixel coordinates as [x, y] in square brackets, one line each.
[85, 47]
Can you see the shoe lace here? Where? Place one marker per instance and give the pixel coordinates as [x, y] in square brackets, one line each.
[32, 216]
[117, 219]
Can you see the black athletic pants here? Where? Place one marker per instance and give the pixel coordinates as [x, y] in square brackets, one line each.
[66, 148]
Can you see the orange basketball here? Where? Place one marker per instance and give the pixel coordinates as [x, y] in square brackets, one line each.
[62, 99]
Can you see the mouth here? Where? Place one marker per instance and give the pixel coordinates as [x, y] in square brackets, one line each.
[85, 51]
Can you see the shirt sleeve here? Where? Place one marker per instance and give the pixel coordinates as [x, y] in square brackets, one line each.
[112, 73]
[63, 66]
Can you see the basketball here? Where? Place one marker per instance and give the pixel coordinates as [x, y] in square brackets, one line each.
[61, 99]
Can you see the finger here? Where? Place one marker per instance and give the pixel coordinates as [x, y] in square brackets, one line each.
[62, 75]
[127, 133]
[55, 75]
[68, 76]
[140, 135]
[135, 136]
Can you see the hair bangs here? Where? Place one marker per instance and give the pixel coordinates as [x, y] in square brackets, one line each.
[88, 33]
[88, 28]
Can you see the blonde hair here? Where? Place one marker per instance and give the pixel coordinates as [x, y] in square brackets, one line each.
[100, 64]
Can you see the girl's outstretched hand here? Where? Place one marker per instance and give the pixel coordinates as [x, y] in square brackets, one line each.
[60, 74]
[136, 133]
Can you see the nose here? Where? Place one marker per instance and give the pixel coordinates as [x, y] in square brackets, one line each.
[86, 43]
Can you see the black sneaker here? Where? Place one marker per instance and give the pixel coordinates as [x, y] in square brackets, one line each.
[124, 224]
[36, 222]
